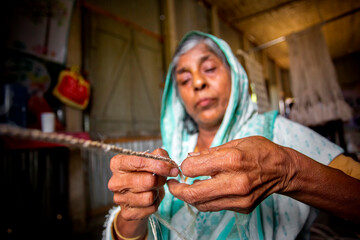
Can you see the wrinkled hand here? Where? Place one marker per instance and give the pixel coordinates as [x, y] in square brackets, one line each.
[243, 173]
[138, 182]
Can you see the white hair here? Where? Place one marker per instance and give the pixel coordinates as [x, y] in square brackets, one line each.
[192, 42]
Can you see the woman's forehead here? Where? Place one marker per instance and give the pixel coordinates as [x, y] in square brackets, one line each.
[197, 55]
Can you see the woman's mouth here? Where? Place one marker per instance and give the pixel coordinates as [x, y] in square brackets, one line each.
[205, 102]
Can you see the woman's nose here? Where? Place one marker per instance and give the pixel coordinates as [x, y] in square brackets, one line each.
[199, 83]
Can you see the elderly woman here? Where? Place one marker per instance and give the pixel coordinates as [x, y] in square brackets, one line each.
[248, 175]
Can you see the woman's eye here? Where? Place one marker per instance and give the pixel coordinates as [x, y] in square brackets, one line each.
[183, 78]
[184, 82]
[210, 70]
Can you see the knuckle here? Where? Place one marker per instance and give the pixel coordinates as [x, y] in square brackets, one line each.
[148, 198]
[189, 168]
[186, 170]
[113, 163]
[148, 181]
[117, 186]
[112, 185]
[118, 199]
[243, 186]
[248, 204]
[139, 163]
[189, 196]
[117, 163]
[151, 180]
[202, 207]
[160, 151]
[234, 157]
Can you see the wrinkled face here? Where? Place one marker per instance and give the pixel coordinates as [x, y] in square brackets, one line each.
[204, 84]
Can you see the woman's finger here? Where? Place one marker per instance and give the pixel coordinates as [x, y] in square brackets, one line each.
[135, 182]
[137, 164]
[212, 162]
[129, 212]
[242, 155]
[136, 200]
[211, 189]
[217, 199]
[241, 205]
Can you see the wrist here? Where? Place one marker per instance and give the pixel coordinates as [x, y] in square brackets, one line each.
[294, 165]
[129, 230]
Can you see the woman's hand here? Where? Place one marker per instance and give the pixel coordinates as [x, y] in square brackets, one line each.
[137, 184]
[243, 173]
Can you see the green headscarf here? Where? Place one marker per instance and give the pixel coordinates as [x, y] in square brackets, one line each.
[240, 120]
[176, 139]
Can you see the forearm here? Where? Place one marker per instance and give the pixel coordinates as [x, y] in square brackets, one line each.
[129, 228]
[324, 187]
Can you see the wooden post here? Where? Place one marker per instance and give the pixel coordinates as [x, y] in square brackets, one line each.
[169, 31]
[74, 117]
[215, 29]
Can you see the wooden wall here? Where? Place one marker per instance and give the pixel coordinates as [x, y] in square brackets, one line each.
[127, 66]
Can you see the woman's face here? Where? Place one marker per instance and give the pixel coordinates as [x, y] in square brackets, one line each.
[204, 84]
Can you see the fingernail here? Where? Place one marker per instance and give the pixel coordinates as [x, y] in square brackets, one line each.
[174, 172]
[193, 154]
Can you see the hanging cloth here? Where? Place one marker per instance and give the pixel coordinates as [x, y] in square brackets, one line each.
[318, 97]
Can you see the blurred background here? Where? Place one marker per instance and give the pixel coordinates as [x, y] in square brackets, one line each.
[99, 67]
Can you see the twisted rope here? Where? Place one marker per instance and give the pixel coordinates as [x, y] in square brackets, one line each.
[35, 134]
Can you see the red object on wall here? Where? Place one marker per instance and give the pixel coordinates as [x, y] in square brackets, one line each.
[72, 89]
